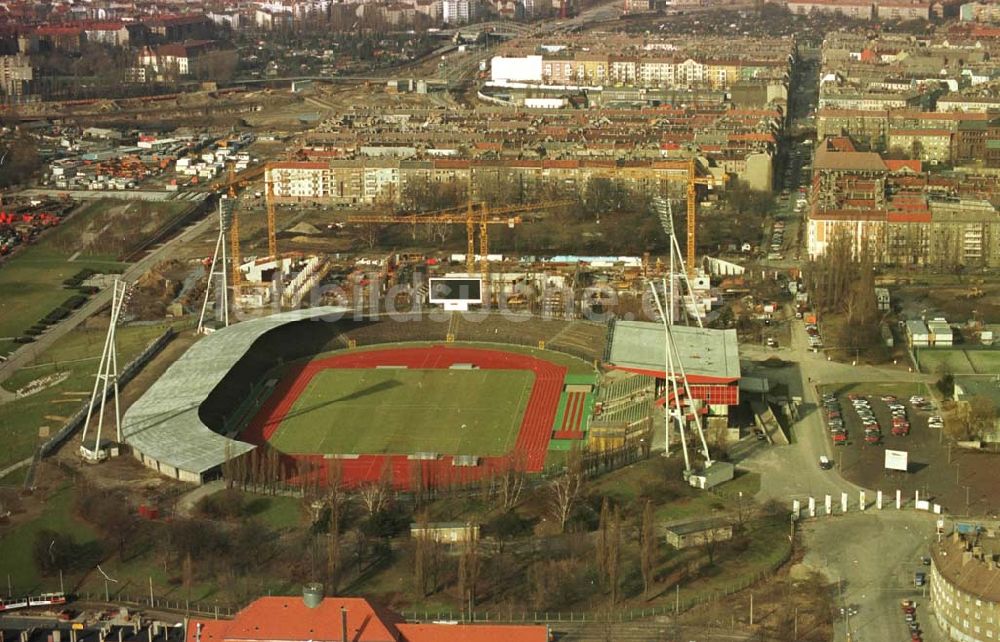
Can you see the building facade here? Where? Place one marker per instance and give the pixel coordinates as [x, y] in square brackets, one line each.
[965, 588]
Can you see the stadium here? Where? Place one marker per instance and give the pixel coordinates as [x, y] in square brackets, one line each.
[408, 400]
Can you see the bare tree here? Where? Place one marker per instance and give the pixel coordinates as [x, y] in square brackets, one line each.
[375, 495]
[603, 539]
[614, 556]
[511, 481]
[564, 491]
[647, 547]
[468, 572]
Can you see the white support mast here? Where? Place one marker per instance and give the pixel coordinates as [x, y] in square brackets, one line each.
[218, 259]
[107, 373]
[675, 377]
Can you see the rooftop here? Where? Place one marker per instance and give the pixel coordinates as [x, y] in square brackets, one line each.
[290, 619]
[697, 525]
[164, 422]
[704, 352]
[970, 568]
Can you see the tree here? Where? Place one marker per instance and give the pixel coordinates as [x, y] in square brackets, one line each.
[506, 526]
[511, 481]
[603, 539]
[982, 416]
[564, 491]
[375, 495]
[614, 556]
[53, 552]
[647, 547]
[19, 159]
[468, 572]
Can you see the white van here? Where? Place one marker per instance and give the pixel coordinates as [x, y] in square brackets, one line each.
[825, 463]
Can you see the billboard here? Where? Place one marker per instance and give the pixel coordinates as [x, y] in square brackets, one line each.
[896, 460]
[455, 292]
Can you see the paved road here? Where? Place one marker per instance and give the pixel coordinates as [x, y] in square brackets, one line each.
[875, 554]
[874, 557]
[27, 353]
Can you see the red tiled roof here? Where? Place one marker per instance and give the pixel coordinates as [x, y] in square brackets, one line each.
[909, 217]
[896, 165]
[472, 633]
[299, 165]
[289, 619]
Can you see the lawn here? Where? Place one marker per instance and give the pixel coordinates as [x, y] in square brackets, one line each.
[77, 353]
[31, 285]
[403, 411]
[94, 237]
[940, 360]
[985, 361]
[17, 544]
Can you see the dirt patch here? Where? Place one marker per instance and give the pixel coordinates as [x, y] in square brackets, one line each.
[797, 603]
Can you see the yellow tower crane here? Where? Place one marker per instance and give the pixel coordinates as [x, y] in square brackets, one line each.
[272, 232]
[473, 214]
[687, 171]
[234, 235]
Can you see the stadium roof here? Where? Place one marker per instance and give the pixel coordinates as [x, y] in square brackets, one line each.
[164, 424]
[704, 352]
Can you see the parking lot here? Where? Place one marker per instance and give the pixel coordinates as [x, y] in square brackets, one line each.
[948, 475]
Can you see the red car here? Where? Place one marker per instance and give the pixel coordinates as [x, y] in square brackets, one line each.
[872, 437]
[840, 437]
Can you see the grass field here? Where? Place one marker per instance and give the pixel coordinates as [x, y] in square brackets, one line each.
[939, 360]
[77, 353]
[17, 560]
[402, 411]
[31, 281]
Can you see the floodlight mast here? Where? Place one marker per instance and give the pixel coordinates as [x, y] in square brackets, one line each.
[107, 372]
[218, 258]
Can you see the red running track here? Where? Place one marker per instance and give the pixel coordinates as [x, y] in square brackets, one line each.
[529, 449]
[572, 417]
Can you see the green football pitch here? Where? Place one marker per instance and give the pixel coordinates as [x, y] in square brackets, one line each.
[404, 411]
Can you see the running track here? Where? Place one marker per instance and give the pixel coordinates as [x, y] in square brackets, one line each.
[572, 417]
[532, 439]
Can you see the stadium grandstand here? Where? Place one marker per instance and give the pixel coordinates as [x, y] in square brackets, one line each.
[710, 358]
[164, 427]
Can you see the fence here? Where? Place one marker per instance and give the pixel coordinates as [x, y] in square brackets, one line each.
[680, 603]
[157, 603]
[76, 421]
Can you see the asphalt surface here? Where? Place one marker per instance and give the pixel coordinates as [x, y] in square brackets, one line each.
[873, 554]
[873, 558]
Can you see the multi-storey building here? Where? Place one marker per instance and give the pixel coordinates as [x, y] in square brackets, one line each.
[15, 74]
[860, 9]
[903, 10]
[965, 587]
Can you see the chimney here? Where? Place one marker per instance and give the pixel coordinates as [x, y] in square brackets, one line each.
[343, 624]
[197, 632]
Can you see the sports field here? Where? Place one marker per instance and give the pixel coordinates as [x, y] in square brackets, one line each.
[407, 410]
[959, 361]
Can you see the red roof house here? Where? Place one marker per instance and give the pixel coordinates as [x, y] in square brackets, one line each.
[344, 619]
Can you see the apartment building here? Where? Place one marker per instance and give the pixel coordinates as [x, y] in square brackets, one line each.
[965, 588]
[860, 9]
[903, 10]
[386, 181]
[934, 145]
[15, 74]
